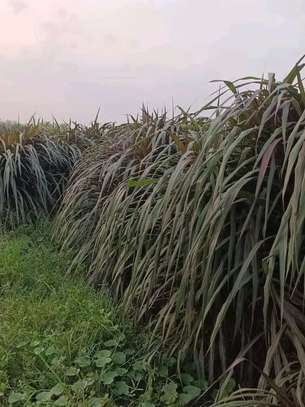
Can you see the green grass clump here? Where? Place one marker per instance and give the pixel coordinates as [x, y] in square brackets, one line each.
[64, 344]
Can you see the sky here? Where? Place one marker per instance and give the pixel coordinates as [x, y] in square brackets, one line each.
[67, 58]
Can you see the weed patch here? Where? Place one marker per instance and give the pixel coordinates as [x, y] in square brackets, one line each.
[64, 344]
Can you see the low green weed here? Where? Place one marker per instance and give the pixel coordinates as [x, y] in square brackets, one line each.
[64, 344]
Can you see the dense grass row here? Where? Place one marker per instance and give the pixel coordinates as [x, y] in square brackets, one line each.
[36, 160]
[197, 227]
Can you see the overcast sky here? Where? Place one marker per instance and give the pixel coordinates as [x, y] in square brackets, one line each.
[68, 57]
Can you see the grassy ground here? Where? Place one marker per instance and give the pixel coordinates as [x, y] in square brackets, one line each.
[63, 344]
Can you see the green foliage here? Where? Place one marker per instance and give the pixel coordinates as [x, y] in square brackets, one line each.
[33, 169]
[35, 161]
[63, 344]
[211, 255]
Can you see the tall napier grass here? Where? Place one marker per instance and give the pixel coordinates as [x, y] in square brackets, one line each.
[35, 162]
[198, 227]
